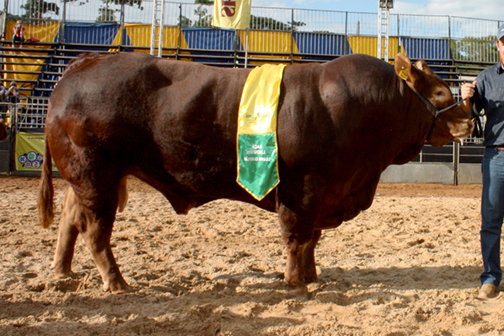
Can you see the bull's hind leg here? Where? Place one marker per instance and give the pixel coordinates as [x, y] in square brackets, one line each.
[71, 218]
[93, 218]
[99, 207]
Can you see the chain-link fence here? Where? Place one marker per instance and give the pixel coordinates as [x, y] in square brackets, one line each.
[471, 40]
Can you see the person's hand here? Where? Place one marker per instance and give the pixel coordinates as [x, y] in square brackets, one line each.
[468, 90]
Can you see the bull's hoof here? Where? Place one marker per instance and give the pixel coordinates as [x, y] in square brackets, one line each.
[63, 275]
[119, 287]
[299, 292]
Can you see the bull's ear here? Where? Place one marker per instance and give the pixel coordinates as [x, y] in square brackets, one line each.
[406, 71]
[424, 67]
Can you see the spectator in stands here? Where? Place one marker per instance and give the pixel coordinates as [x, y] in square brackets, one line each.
[18, 35]
[12, 94]
[486, 92]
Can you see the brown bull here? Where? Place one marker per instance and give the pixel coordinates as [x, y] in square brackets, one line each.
[174, 124]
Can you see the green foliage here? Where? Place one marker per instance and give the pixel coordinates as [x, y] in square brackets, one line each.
[107, 14]
[184, 21]
[475, 49]
[36, 9]
[131, 3]
[266, 23]
[204, 19]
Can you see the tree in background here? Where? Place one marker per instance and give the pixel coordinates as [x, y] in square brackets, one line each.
[201, 12]
[37, 9]
[107, 14]
[266, 23]
[475, 49]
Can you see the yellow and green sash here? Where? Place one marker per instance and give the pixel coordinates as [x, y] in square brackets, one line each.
[257, 146]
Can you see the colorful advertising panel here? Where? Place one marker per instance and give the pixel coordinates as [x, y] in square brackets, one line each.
[30, 152]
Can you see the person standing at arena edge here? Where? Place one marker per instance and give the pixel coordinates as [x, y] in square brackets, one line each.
[487, 92]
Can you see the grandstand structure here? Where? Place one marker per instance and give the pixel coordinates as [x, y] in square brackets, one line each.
[57, 31]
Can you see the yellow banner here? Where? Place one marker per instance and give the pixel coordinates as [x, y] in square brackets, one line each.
[259, 100]
[233, 14]
[30, 152]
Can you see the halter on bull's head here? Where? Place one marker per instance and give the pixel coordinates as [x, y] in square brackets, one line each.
[450, 122]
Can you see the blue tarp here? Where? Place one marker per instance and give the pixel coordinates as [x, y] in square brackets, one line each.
[210, 39]
[423, 48]
[317, 43]
[89, 32]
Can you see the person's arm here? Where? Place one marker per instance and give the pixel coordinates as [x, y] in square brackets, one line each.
[468, 90]
[13, 91]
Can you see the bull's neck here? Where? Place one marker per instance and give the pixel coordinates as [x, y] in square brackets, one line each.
[418, 120]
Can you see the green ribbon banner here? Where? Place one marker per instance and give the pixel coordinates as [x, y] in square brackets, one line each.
[257, 146]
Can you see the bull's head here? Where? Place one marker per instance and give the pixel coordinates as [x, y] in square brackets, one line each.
[450, 121]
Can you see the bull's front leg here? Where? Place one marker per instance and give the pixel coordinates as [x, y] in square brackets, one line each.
[297, 235]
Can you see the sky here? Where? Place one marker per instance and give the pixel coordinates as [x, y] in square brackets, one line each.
[481, 9]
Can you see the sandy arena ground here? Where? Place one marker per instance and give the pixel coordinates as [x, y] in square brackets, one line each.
[409, 265]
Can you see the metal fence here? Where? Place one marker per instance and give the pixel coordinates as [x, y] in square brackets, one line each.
[470, 39]
[26, 113]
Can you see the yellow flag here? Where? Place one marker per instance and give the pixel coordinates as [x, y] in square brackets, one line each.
[234, 14]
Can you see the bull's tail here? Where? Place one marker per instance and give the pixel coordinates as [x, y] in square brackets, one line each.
[46, 190]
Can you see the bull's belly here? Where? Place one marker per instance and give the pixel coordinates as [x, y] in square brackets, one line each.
[189, 190]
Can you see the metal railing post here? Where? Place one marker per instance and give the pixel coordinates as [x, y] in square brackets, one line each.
[456, 162]
[179, 42]
[4, 23]
[398, 34]
[63, 23]
[122, 29]
[292, 36]
[449, 39]
[345, 50]
[235, 47]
